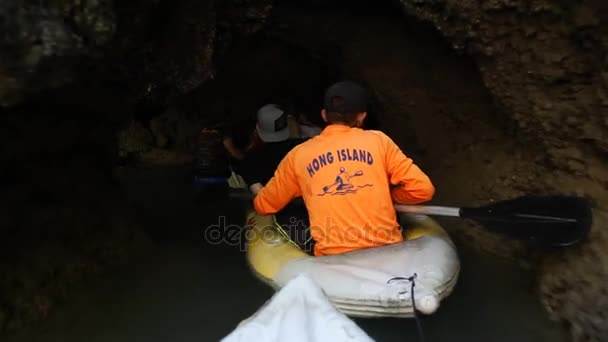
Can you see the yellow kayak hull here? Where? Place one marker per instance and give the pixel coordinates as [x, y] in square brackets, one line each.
[356, 282]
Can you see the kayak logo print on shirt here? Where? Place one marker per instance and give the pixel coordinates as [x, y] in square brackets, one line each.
[342, 184]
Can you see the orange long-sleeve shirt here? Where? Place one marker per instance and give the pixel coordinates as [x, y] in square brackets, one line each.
[348, 179]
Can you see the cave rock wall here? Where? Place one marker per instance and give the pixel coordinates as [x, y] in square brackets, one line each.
[545, 62]
[160, 48]
[71, 73]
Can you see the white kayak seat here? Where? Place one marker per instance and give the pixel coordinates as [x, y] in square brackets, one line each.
[300, 311]
[376, 279]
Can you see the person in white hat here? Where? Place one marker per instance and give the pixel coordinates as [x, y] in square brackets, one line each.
[272, 124]
[272, 128]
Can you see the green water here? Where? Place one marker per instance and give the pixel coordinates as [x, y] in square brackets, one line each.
[188, 290]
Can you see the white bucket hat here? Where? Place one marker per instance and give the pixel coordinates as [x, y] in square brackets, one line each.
[272, 125]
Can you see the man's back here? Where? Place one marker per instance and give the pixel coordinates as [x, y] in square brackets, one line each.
[344, 176]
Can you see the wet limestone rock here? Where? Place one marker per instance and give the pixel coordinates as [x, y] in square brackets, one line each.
[71, 71]
[196, 33]
[545, 63]
[170, 139]
[573, 285]
[41, 42]
[160, 49]
[176, 128]
[134, 140]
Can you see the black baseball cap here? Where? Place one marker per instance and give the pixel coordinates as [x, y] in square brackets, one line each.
[346, 97]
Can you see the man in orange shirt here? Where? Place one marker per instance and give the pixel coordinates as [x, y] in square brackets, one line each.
[349, 179]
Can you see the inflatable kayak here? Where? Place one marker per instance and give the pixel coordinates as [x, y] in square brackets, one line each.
[375, 282]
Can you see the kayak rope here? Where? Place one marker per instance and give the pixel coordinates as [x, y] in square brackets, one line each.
[412, 280]
[286, 236]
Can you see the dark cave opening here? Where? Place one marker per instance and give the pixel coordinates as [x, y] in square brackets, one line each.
[418, 83]
[243, 82]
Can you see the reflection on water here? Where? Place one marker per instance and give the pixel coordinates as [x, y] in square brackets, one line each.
[188, 290]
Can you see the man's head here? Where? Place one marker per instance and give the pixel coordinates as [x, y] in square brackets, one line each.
[345, 103]
[272, 124]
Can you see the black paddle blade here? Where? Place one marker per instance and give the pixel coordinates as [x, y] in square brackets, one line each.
[557, 221]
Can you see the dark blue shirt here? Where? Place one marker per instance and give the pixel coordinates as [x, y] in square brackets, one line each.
[259, 165]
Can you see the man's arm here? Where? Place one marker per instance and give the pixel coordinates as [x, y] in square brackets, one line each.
[232, 149]
[280, 190]
[410, 184]
[255, 188]
[250, 170]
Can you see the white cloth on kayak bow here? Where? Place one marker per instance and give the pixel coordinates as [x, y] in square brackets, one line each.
[300, 311]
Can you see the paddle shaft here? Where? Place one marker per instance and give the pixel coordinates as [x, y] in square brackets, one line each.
[553, 221]
[470, 213]
[428, 210]
[457, 212]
